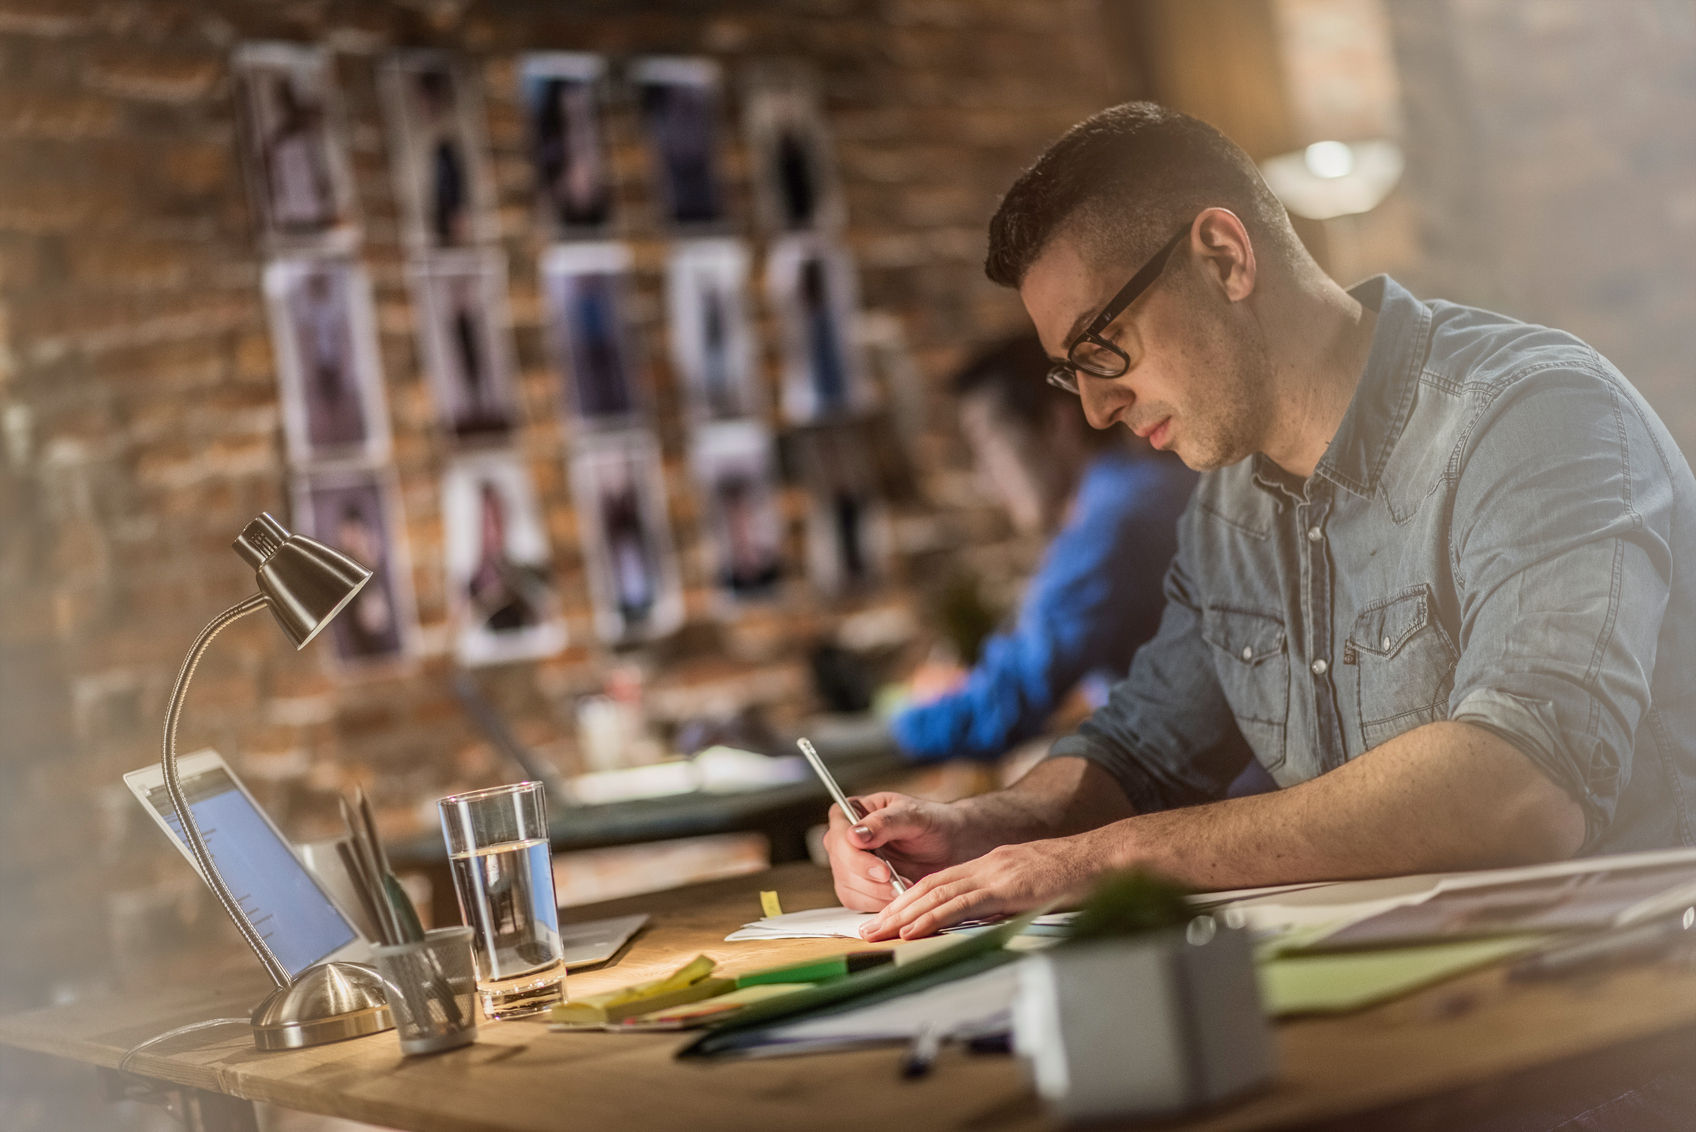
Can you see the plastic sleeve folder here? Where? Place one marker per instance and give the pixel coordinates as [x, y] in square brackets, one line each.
[747, 1028]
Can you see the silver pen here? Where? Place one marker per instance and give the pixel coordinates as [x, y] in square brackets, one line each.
[921, 1055]
[849, 810]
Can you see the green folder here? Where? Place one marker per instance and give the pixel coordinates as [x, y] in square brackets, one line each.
[977, 952]
[1331, 982]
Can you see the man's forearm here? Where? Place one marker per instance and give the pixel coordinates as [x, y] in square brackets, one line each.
[1057, 798]
[1442, 797]
[1446, 796]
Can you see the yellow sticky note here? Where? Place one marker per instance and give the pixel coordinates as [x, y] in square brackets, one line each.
[769, 906]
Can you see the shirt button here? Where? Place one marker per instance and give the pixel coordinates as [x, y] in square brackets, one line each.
[1386, 644]
[1314, 534]
[1248, 652]
[1319, 667]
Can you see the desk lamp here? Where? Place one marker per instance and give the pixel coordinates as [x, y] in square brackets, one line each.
[305, 584]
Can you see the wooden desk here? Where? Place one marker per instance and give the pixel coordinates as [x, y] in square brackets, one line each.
[519, 1077]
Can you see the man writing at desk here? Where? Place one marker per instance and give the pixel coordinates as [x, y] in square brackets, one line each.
[1436, 578]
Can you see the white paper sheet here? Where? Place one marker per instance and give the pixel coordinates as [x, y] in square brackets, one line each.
[840, 923]
[1347, 902]
[819, 923]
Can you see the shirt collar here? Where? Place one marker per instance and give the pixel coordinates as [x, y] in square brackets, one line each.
[1379, 408]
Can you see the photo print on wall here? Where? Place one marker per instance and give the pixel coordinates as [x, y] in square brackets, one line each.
[358, 512]
[563, 95]
[330, 379]
[500, 574]
[585, 291]
[618, 483]
[438, 150]
[679, 103]
[294, 150]
[465, 338]
[811, 286]
[712, 344]
[792, 164]
[848, 531]
[736, 479]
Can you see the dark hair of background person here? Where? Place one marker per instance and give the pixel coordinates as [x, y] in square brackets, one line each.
[1014, 372]
[1124, 180]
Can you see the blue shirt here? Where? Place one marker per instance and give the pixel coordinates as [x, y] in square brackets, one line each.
[1502, 532]
[1094, 599]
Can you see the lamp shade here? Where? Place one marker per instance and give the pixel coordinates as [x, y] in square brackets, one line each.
[1332, 178]
[305, 582]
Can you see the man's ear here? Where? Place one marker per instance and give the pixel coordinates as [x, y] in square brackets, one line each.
[1223, 244]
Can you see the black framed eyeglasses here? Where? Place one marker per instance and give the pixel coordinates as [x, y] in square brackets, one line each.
[1095, 355]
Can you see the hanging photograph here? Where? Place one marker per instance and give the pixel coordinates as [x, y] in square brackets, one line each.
[465, 338]
[679, 104]
[293, 147]
[358, 513]
[563, 97]
[712, 343]
[848, 531]
[500, 575]
[812, 290]
[847, 540]
[585, 291]
[789, 150]
[438, 150]
[743, 527]
[618, 483]
[329, 376]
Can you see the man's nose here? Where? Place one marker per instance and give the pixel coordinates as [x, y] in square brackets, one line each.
[1101, 398]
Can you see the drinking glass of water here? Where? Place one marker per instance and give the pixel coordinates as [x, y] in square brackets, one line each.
[503, 874]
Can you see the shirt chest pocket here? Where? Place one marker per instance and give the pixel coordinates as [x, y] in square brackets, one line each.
[1405, 664]
[1253, 665]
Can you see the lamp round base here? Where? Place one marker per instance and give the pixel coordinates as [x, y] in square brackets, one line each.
[327, 1003]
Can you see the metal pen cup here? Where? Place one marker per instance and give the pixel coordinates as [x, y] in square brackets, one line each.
[497, 843]
[432, 990]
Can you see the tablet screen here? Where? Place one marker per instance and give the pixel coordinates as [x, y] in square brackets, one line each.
[281, 899]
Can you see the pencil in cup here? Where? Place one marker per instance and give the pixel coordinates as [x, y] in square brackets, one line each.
[849, 810]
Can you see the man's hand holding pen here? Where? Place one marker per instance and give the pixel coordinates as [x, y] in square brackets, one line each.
[955, 875]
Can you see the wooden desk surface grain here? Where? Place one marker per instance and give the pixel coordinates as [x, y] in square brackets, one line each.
[519, 1077]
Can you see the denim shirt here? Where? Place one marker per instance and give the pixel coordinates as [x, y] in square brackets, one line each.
[1502, 532]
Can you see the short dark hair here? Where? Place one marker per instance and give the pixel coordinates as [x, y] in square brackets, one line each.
[1014, 372]
[1125, 179]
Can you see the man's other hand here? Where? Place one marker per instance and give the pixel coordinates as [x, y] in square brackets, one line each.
[918, 838]
[1006, 880]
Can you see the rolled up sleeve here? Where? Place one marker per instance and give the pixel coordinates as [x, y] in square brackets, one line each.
[1560, 546]
[1166, 734]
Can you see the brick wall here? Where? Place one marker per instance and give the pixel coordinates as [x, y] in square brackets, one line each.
[140, 409]
[1552, 167]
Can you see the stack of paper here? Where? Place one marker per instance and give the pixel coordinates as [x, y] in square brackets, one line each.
[820, 923]
[965, 1008]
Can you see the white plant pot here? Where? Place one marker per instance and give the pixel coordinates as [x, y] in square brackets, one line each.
[1146, 1026]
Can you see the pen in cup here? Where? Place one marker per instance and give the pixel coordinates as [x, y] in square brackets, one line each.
[849, 810]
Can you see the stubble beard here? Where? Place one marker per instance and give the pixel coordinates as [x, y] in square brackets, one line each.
[1239, 409]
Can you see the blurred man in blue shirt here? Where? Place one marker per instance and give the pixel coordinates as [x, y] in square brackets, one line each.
[1096, 597]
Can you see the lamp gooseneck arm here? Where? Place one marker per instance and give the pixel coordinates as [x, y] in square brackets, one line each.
[173, 786]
